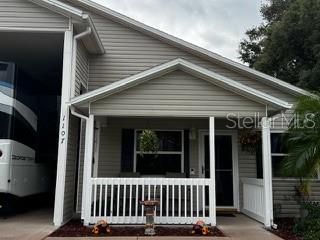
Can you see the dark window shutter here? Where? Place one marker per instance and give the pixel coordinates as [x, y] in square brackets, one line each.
[127, 150]
[259, 161]
[186, 153]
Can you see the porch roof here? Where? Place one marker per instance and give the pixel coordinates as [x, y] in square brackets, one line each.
[180, 64]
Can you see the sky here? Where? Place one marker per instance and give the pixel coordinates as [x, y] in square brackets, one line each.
[217, 25]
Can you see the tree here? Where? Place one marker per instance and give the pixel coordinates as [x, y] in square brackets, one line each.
[287, 44]
[303, 139]
[251, 48]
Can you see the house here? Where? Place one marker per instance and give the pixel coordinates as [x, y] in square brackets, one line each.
[120, 77]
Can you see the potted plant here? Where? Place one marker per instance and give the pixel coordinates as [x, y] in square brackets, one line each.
[249, 139]
[148, 142]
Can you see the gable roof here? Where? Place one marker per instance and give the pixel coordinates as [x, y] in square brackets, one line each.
[264, 78]
[188, 67]
[92, 42]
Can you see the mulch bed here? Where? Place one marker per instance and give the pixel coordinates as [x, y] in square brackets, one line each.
[75, 228]
[285, 229]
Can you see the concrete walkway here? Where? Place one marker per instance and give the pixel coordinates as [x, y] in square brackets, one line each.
[33, 225]
[36, 225]
[244, 228]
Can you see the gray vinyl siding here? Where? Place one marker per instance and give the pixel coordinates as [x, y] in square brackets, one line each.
[82, 69]
[129, 51]
[71, 164]
[24, 14]
[284, 197]
[176, 94]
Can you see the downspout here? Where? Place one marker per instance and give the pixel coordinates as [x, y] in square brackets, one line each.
[74, 58]
[74, 113]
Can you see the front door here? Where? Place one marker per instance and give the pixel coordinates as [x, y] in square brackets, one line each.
[224, 165]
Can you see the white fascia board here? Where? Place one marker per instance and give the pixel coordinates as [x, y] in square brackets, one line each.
[60, 7]
[125, 83]
[186, 66]
[195, 49]
[234, 86]
[76, 14]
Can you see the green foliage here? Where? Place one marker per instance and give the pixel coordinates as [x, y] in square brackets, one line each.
[309, 226]
[303, 139]
[148, 142]
[287, 44]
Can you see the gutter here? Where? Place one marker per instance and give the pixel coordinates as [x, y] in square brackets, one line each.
[74, 113]
[88, 19]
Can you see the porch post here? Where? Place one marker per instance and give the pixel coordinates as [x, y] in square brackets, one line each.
[267, 172]
[212, 188]
[58, 217]
[87, 170]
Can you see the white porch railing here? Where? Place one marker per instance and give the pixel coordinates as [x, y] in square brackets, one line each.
[253, 198]
[182, 200]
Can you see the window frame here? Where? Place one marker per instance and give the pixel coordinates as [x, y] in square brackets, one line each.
[283, 155]
[135, 152]
[278, 154]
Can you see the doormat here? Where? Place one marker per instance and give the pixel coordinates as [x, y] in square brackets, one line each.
[225, 215]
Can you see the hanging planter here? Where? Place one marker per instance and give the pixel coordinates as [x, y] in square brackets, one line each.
[249, 139]
[148, 142]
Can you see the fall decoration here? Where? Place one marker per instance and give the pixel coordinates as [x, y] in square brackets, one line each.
[200, 228]
[148, 142]
[101, 227]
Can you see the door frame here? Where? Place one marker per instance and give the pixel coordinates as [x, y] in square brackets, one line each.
[235, 162]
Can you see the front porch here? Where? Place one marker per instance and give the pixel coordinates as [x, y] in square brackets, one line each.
[197, 169]
[187, 191]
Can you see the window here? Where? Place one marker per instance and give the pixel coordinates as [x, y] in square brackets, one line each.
[169, 158]
[278, 152]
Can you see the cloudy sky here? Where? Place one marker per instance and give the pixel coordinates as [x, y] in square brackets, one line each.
[217, 25]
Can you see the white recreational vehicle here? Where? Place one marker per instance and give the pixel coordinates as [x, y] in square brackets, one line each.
[20, 173]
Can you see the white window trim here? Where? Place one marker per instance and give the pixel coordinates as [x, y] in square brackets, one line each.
[286, 154]
[135, 152]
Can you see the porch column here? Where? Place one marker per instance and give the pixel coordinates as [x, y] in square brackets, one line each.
[59, 213]
[267, 172]
[212, 189]
[87, 170]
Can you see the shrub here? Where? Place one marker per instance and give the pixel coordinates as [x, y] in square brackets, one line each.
[309, 225]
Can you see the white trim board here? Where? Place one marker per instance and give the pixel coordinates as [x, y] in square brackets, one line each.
[76, 15]
[60, 8]
[190, 68]
[122, 19]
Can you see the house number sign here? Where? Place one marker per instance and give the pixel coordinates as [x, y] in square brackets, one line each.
[63, 130]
